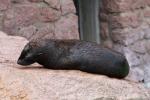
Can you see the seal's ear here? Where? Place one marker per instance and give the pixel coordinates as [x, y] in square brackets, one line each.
[27, 47]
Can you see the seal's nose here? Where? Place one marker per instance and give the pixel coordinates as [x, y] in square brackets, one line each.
[19, 62]
[24, 62]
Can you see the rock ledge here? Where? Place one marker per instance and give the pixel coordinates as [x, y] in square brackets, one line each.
[36, 83]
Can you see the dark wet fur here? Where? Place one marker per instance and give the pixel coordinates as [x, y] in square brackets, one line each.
[77, 55]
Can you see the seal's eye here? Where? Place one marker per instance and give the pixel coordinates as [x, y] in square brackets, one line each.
[40, 54]
[25, 52]
[27, 48]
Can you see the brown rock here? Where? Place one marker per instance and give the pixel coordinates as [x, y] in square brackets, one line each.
[14, 2]
[49, 15]
[132, 57]
[104, 31]
[27, 19]
[27, 32]
[66, 27]
[1, 20]
[139, 47]
[4, 4]
[147, 46]
[147, 33]
[18, 17]
[132, 4]
[67, 6]
[43, 30]
[103, 17]
[137, 74]
[124, 5]
[53, 3]
[133, 36]
[35, 0]
[127, 36]
[123, 20]
[147, 2]
[147, 12]
[111, 5]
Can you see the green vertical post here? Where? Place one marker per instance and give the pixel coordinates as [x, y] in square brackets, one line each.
[89, 20]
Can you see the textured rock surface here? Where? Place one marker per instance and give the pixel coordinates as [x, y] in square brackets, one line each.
[126, 25]
[36, 18]
[35, 83]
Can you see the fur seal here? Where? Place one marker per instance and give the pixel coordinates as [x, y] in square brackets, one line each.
[75, 54]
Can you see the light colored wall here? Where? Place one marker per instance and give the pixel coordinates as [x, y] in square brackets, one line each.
[39, 18]
[125, 26]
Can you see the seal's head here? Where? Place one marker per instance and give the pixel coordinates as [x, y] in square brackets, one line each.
[29, 54]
